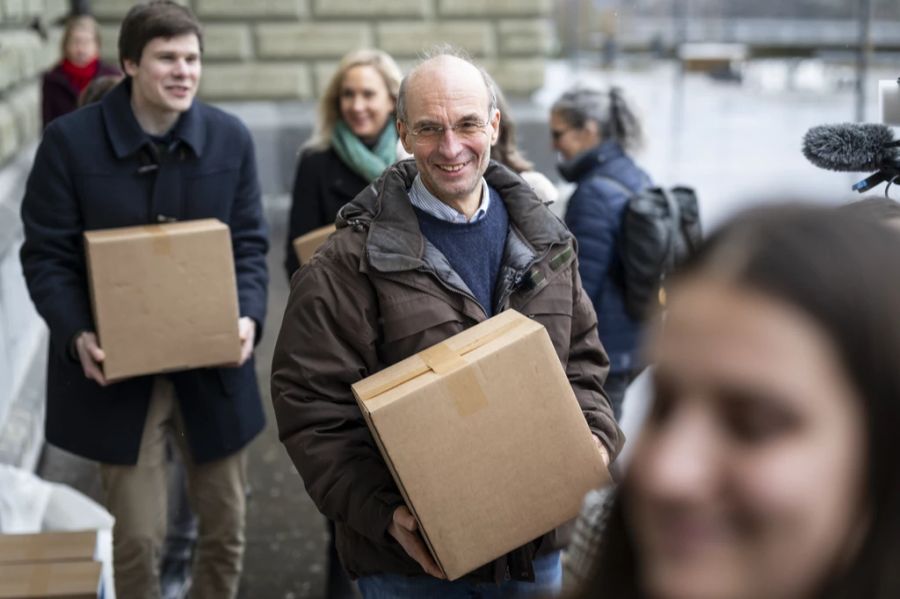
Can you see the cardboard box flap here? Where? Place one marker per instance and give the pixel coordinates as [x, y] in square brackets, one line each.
[45, 580]
[48, 547]
[159, 230]
[307, 244]
[442, 358]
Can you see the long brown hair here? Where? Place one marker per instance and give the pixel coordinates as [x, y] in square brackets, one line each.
[506, 150]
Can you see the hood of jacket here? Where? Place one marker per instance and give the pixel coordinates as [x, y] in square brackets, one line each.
[581, 165]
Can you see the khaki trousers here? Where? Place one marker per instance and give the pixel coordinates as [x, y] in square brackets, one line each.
[136, 496]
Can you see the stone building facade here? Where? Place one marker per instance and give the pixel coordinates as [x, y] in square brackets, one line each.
[287, 49]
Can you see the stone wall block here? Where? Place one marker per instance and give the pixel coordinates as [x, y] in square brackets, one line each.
[322, 72]
[109, 43]
[54, 11]
[373, 8]
[517, 76]
[29, 49]
[14, 11]
[283, 81]
[25, 104]
[217, 9]
[34, 8]
[504, 8]
[10, 64]
[311, 40]
[9, 134]
[525, 37]
[49, 52]
[406, 39]
[227, 41]
[114, 10]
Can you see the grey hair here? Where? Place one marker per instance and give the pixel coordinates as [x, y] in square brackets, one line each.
[615, 119]
[438, 51]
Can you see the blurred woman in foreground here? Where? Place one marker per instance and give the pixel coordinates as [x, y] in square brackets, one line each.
[768, 463]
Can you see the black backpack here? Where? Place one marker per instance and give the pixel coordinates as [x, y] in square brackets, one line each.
[660, 228]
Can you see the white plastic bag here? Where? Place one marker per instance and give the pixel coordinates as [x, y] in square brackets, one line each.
[29, 504]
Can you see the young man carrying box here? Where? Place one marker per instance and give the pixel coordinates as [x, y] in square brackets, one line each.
[149, 153]
[445, 242]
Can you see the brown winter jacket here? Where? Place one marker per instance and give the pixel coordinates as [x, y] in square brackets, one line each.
[377, 292]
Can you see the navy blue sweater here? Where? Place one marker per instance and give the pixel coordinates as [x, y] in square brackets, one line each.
[474, 250]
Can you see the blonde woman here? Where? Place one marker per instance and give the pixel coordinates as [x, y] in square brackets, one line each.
[355, 140]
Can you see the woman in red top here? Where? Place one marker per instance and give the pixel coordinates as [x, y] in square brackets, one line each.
[79, 66]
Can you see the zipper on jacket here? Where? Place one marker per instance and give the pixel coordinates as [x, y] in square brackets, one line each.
[357, 224]
[454, 289]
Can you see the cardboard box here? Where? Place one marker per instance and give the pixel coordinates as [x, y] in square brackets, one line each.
[57, 580]
[164, 297]
[485, 440]
[306, 245]
[48, 547]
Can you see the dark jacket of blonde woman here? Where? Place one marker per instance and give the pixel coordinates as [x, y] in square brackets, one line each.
[58, 94]
[323, 183]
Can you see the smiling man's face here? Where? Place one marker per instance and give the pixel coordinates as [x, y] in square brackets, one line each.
[448, 95]
[165, 80]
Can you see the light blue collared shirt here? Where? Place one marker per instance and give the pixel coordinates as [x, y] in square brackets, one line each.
[425, 201]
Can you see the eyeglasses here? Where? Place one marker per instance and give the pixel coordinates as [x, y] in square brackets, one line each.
[465, 129]
[557, 133]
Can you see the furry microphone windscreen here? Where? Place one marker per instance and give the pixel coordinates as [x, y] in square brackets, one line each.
[849, 147]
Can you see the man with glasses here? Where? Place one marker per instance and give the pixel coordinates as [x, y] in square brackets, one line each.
[436, 245]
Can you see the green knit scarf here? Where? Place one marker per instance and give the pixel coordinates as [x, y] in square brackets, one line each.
[367, 163]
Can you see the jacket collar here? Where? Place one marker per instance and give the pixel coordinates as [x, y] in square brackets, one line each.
[396, 243]
[126, 134]
[578, 166]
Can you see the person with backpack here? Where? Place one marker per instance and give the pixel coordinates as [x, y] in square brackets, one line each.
[594, 131]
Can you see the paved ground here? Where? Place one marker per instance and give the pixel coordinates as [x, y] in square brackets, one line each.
[285, 533]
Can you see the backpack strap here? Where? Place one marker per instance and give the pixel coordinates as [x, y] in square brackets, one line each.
[675, 222]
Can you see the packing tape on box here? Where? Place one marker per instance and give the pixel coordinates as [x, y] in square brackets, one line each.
[160, 240]
[466, 387]
[441, 359]
[463, 384]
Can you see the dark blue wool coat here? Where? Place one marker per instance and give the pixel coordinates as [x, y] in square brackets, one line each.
[91, 172]
[594, 215]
